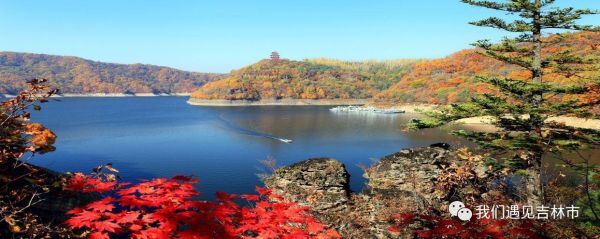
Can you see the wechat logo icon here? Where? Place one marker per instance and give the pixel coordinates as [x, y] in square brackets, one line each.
[458, 209]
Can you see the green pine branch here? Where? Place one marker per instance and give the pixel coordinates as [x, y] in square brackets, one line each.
[518, 6]
[565, 18]
[494, 22]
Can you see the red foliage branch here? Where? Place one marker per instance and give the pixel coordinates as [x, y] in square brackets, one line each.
[163, 208]
[441, 227]
[82, 183]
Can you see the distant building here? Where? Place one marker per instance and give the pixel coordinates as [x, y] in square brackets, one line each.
[275, 56]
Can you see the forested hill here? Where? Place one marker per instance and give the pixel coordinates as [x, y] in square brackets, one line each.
[80, 76]
[308, 79]
[452, 79]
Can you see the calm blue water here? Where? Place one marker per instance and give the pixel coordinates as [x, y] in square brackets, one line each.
[222, 146]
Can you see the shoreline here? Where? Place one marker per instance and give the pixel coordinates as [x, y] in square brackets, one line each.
[107, 95]
[484, 123]
[281, 102]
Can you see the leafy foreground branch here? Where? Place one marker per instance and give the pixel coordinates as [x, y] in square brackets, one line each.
[164, 208]
[24, 187]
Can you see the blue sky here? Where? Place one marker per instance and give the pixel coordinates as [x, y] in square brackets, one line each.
[220, 35]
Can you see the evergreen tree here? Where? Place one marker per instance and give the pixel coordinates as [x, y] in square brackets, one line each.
[523, 110]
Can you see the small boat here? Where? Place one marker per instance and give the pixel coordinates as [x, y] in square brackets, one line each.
[287, 141]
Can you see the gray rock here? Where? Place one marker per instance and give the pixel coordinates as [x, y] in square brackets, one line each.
[406, 179]
[321, 183]
[412, 171]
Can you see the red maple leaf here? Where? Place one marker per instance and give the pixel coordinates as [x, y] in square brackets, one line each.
[98, 235]
[128, 217]
[106, 226]
[103, 205]
[83, 219]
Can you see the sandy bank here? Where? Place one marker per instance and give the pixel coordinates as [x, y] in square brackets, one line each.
[569, 121]
[286, 102]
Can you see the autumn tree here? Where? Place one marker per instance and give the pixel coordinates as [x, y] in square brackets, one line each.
[23, 185]
[523, 110]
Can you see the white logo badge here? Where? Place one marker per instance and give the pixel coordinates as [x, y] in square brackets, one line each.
[465, 214]
[458, 209]
[454, 207]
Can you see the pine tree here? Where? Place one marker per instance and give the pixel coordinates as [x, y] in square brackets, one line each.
[522, 109]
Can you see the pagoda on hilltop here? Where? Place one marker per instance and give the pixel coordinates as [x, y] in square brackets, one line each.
[275, 56]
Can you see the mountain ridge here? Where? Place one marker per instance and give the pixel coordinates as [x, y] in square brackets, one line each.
[444, 80]
[320, 78]
[76, 75]
[451, 79]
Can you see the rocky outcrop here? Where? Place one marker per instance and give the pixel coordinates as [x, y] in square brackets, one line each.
[414, 172]
[321, 183]
[409, 171]
[406, 179]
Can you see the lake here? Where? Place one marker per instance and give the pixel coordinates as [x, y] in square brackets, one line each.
[147, 137]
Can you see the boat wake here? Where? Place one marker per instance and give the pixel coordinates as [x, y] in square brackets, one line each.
[251, 132]
[287, 141]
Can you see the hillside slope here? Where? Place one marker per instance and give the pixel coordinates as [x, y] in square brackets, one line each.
[80, 76]
[452, 79]
[308, 79]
